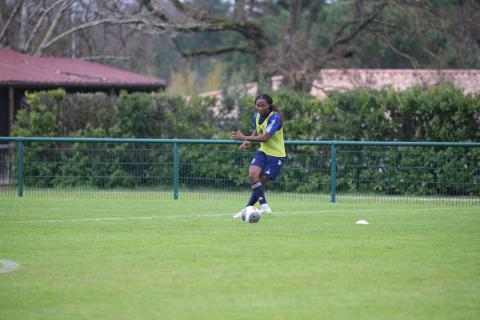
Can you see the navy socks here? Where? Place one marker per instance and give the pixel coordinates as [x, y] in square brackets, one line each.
[253, 199]
[258, 194]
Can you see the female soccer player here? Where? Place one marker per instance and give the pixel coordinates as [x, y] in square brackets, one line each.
[267, 162]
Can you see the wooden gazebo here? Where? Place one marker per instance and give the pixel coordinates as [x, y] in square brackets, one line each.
[20, 73]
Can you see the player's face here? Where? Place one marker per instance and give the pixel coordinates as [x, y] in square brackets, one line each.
[262, 106]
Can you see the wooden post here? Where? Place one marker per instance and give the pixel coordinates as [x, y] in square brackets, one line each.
[11, 109]
[11, 119]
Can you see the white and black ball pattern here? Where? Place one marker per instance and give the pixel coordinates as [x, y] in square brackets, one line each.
[251, 215]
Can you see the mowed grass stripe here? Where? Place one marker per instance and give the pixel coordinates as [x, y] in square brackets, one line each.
[214, 215]
[193, 215]
[307, 261]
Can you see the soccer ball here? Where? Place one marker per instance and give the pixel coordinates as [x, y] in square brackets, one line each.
[251, 215]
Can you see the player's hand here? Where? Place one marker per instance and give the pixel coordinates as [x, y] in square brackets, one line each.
[238, 135]
[245, 145]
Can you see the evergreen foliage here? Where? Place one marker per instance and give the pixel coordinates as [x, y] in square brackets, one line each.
[440, 113]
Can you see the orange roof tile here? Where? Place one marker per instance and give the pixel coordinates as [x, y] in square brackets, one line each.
[22, 69]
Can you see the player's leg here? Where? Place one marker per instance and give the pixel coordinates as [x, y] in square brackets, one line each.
[258, 191]
[270, 172]
[255, 173]
[254, 176]
[264, 207]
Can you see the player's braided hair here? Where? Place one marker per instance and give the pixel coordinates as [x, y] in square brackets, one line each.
[269, 100]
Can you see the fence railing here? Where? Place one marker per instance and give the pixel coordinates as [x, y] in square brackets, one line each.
[447, 171]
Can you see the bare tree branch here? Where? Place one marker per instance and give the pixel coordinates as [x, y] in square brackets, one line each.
[359, 27]
[40, 21]
[14, 12]
[211, 51]
[200, 21]
[413, 62]
[155, 11]
[65, 4]
[111, 21]
[109, 58]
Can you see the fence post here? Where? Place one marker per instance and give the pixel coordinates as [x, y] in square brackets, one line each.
[333, 174]
[21, 164]
[176, 170]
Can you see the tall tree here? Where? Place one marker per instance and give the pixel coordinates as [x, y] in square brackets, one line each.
[49, 22]
[293, 38]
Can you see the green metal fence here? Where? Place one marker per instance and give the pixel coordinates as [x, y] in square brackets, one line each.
[185, 169]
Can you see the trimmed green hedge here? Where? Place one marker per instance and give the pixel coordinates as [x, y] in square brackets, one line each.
[439, 113]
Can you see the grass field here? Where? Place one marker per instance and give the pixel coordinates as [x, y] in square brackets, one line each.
[165, 259]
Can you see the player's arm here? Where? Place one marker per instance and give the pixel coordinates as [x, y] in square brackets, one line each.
[252, 138]
[273, 125]
[246, 144]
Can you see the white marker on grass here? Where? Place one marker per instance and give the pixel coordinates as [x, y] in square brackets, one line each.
[361, 222]
[8, 266]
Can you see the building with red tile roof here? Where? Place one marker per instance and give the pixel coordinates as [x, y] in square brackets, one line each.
[20, 72]
[399, 79]
[342, 80]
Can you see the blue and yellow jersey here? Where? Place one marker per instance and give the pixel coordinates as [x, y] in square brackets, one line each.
[272, 124]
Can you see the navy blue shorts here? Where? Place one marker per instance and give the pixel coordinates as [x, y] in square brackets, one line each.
[271, 166]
